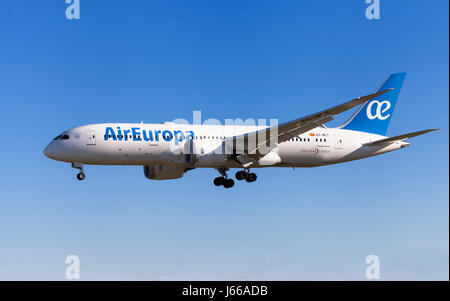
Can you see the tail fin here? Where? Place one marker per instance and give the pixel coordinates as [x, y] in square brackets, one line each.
[374, 116]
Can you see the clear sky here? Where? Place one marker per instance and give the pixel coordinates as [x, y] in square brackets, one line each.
[127, 61]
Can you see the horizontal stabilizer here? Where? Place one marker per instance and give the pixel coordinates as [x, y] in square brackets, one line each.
[400, 137]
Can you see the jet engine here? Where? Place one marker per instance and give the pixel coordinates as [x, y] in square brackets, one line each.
[162, 172]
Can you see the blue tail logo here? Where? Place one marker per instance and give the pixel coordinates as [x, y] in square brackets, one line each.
[374, 116]
[381, 107]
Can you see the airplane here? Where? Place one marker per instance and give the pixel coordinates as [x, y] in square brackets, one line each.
[168, 150]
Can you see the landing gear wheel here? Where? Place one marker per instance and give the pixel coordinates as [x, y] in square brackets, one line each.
[228, 183]
[241, 175]
[251, 177]
[219, 181]
[81, 176]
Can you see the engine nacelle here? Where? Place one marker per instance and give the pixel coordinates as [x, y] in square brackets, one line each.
[161, 172]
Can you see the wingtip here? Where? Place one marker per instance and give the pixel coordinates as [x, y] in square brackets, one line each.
[384, 91]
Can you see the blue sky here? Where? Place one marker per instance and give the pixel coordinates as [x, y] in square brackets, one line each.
[160, 60]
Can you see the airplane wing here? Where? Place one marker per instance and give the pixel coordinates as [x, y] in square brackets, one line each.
[400, 137]
[272, 136]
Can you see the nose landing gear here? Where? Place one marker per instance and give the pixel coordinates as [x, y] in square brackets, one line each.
[80, 176]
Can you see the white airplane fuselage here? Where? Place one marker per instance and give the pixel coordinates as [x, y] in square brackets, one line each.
[320, 146]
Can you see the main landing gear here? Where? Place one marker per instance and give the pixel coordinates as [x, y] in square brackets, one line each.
[246, 175]
[227, 183]
[223, 180]
[80, 176]
[240, 175]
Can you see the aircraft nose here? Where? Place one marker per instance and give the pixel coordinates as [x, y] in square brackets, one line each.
[48, 151]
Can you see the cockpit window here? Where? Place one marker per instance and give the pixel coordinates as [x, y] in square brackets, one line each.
[62, 137]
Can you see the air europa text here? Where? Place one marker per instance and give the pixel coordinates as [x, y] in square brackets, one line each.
[138, 134]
